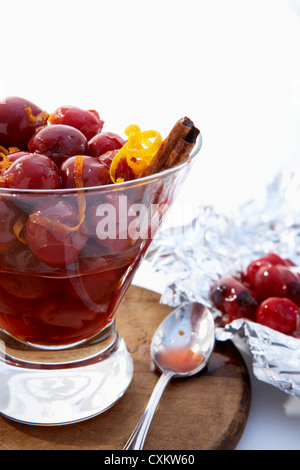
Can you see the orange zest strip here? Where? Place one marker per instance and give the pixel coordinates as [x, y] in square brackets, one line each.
[13, 150]
[4, 164]
[78, 169]
[81, 202]
[3, 150]
[9, 151]
[18, 227]
[43, 115]
[59, 226]
[138, 151]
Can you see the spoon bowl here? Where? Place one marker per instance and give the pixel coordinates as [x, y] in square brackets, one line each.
[184, 341]
[181, 347]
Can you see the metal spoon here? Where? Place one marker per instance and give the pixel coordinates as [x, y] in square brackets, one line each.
[181, 347]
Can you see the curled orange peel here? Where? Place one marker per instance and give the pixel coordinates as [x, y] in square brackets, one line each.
[138, 151]
[18, 227]
[9, 151]
[43, 115]
[4, 164]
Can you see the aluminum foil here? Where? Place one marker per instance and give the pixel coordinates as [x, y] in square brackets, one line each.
[213, 245]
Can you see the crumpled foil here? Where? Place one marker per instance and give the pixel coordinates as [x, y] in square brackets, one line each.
[214, 245]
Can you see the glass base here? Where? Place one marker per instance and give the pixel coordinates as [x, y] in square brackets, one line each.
[36, 388]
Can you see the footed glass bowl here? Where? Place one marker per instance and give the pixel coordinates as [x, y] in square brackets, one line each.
[67, 258]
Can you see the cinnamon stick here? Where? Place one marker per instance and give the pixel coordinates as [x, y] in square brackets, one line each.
[175, 148]
[182, 149]
[176, 138]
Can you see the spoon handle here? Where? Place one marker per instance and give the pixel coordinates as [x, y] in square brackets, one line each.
[137, 438]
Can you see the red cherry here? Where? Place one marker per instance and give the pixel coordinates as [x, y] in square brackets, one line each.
[59, 142]
[93, 172]
[22, 259]
[276, 281]
[19, 326]
[68, 321]
[109, 223]
[267, 260]
[86, 121]
[12, 157]
[92, 288]
[69, 314]
[104, 142]
[32, 171]
[55, 245]
[281, 314]
[25, 286]
[19, 119]
[107, 157]
[233, 299]
[123, 171]
[90, 259]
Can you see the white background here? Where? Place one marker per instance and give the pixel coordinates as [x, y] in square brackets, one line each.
[232, 66]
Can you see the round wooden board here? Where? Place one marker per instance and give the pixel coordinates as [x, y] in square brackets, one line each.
[205, 412]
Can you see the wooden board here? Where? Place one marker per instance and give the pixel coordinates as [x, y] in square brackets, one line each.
[207, 411]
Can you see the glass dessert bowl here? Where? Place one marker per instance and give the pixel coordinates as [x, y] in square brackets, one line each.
[74, 231]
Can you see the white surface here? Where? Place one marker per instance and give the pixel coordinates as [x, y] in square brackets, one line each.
[232, 66]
